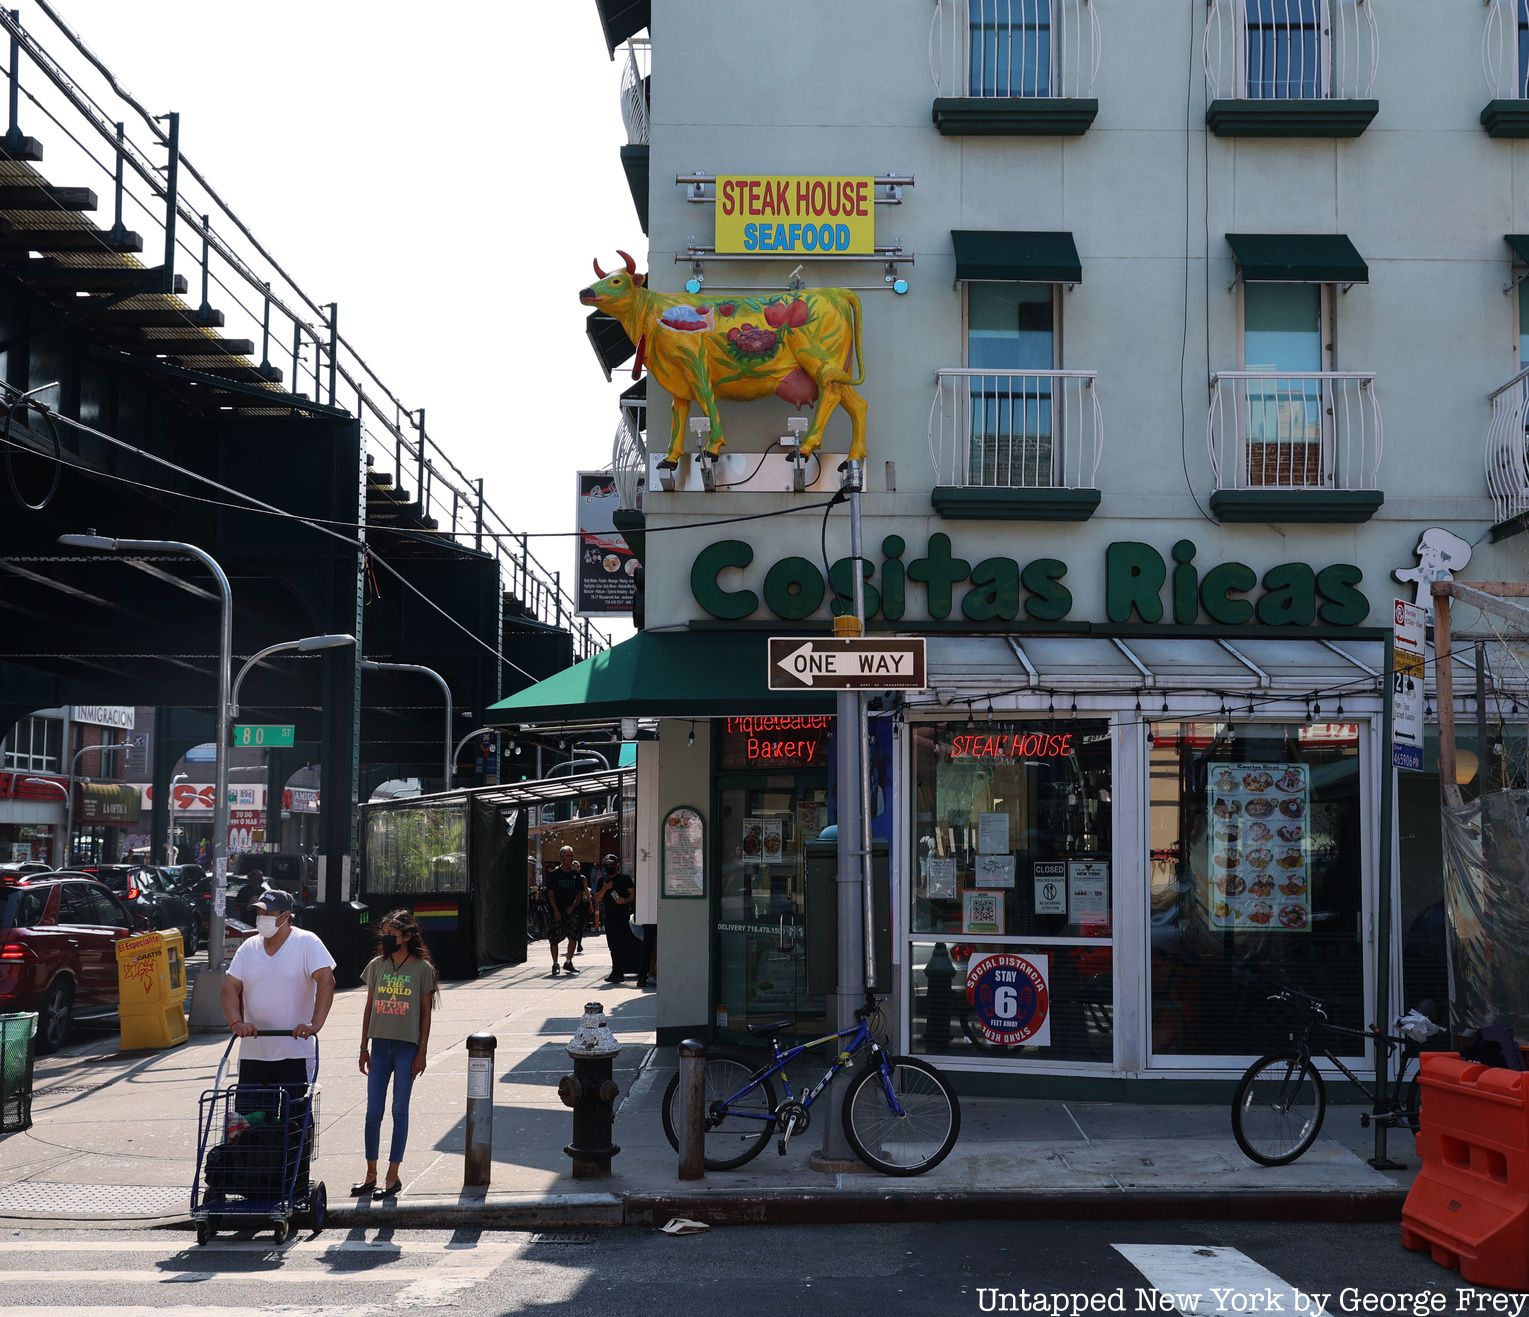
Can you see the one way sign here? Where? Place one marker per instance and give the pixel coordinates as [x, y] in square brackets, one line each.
[865, 663]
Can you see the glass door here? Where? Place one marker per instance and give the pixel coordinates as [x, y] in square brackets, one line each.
[761, 914]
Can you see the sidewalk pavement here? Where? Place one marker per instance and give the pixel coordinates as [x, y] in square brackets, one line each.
[114, 1139]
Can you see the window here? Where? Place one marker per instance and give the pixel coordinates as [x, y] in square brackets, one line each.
[1283, 339]
[1011, 331]
[1010, 47]
[1522, 86]
[1523, 320]
[75, 905]
[106, 912]
[1285, 49]
[36, 746]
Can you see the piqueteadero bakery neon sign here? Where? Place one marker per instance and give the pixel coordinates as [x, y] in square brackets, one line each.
[1012, 745]
[783, 742]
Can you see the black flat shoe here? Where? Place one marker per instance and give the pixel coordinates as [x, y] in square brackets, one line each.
[389, 1191]
[363, 1190]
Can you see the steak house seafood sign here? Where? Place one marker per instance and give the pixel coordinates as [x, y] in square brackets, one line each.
[1141, 585]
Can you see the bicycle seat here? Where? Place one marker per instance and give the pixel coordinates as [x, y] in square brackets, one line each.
[774, 1026]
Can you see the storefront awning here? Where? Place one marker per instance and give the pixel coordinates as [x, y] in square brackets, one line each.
[1310, 258]
[1520, 244]
[1022, 257]
[682, 674]
[108, 804]
[612, 347]
[621, 20]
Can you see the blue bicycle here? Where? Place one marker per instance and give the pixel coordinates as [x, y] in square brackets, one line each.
[901, 1115]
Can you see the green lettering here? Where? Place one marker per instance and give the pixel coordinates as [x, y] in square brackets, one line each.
[1291, 596]
[1216, 591]
[1133, 580]
[1050, 600]
[995, 591]
[1186, 584]
[1345, 605]
[893, 578]
[793, 589]
[842, 576]
[938, 571]
[710, 563]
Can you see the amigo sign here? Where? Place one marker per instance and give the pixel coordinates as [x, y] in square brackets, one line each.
[796, 216]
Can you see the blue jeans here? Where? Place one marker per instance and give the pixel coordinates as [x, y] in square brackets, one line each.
[393, 1060]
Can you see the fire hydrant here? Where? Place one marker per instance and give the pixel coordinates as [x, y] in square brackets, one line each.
[591, 1092]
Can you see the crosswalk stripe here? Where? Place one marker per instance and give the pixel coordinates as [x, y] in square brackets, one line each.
[1202, 1281]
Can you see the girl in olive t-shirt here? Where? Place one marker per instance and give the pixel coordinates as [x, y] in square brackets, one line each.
[400, 995]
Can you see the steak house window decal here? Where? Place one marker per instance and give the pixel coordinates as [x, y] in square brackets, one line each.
[1013, 745]
[776, 742]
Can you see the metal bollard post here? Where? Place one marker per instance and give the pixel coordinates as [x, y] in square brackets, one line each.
[692, 1103]
[480, 1111]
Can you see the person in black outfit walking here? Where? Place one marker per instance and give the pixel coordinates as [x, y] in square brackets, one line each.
[567, 897]
[615, 897]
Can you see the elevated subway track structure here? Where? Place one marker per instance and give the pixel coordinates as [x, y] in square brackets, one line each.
[165, 378]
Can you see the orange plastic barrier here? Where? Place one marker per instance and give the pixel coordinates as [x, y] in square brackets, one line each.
[1469, 1206]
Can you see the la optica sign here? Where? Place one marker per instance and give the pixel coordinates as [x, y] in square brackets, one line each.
[1010, 998]
[795, 216]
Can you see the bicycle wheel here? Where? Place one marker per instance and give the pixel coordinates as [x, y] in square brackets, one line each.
[918, 1139]
[1413, 1105]
[1278, 1107]
[736, 1138]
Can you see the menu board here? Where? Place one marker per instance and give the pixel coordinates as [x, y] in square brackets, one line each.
[1259, 861]
[684, 853]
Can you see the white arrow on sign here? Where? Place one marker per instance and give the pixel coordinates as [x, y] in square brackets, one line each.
[808, 663]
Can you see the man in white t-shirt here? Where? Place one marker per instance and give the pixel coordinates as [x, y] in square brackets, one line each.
[281, 979]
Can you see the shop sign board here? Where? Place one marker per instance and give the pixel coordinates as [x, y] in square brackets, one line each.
[1407, 669]
[104, 715]
[796, 216]
[879, 663]
[1088, 891]
[1050, 887]
[607, 583]
[1011, 998]
[1260, 849]
[246, 829]
[776, 741]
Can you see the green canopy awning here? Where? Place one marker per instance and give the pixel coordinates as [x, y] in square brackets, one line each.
[1520, 244]
[1298, 258]
[107, 804]
[621, 20]
[612, 347]
[671, 674]
[1035, 257]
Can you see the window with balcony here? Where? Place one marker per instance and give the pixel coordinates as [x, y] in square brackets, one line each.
[35, 746]
[1505, 58]
[1014, 67]
[1284, 357]
[1290, 68]
[1507, 455]
[1011, 332]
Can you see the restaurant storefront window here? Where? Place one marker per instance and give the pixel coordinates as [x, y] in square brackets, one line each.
[1012, 835]
[1255, 881]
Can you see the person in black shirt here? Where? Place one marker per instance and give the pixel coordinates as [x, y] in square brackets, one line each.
[567, 897]
[615, 897]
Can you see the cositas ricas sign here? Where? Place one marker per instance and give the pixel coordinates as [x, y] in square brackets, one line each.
[1141, 586]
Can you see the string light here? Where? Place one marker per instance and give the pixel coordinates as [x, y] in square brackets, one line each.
[690, 740]
[990, 709]
[1138, 701]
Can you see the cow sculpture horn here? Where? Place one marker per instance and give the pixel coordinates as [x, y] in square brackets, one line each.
[631, 265]
[599, 273]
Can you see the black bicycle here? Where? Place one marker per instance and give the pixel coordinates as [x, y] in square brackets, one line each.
[1278, 1107]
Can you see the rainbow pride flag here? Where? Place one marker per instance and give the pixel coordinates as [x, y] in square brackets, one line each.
[437, 916]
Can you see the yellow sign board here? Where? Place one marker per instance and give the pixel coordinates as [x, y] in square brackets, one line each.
[774, 213]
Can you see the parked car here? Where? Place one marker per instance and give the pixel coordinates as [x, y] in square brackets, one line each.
[141, 889]
[20, 868]
[196, 884]
[297, 874]
[58, 950]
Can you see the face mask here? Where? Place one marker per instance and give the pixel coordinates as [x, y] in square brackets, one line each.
[265, 925]
[389, 944]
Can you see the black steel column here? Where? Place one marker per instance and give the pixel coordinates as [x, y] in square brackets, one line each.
[161, 766]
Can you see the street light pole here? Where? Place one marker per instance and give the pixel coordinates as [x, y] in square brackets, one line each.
[69, 794]
[212, 978]
[373, 665]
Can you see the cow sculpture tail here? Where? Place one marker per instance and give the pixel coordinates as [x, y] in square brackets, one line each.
[854, 315]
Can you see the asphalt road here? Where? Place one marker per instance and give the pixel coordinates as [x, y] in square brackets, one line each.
[837, 1270]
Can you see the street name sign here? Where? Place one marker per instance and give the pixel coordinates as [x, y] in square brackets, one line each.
[1409, 658]
[877, 663]
[253, 736]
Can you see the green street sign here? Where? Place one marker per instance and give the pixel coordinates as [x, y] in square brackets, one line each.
[252, 736]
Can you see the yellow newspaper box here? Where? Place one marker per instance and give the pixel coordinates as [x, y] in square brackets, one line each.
[151, 987]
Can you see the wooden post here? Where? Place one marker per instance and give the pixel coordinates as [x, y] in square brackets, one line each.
[1444, 688]
[692, 1109]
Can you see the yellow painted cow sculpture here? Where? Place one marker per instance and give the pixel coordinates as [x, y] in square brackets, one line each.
[797, 345]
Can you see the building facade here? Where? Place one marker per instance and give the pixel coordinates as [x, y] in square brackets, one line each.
[1184, 328]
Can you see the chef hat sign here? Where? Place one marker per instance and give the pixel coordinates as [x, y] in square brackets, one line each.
[1440, 554]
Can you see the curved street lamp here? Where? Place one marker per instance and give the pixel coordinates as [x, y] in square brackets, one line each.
[374, 665]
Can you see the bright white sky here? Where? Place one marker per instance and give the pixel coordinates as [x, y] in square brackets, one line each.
[445, 172]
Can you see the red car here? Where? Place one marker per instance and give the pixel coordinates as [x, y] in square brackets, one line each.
[58, 951]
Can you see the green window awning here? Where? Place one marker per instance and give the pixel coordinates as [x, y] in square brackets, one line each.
[1015, 257]
[1298, 258]
[672, 674]
[613, 348]
[108, 804]
[1520, 244]
[621, 20]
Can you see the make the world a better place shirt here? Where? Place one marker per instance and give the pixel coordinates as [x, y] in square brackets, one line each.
[397, 994]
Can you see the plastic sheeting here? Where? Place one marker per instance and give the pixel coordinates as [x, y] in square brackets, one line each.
[1486, 893]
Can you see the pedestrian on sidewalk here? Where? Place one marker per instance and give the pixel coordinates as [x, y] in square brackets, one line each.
[401, 995]
[588, 912]
[613, 899]
[283, 978]
[567, 897]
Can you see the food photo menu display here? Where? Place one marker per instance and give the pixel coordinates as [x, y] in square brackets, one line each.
[1260, 856]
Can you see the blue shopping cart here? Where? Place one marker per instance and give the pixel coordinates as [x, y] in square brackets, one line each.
[255, 1149]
